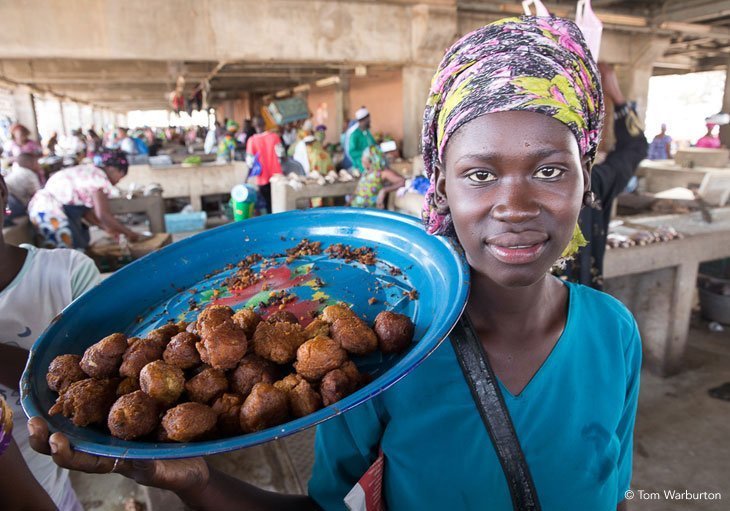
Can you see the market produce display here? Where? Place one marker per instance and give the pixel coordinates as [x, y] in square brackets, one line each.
[624, 236]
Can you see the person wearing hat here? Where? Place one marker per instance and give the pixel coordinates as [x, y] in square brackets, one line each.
[227, 146]
[361, 138]
[312, 156]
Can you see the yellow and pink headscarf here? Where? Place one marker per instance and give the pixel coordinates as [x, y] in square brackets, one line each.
[534, 64]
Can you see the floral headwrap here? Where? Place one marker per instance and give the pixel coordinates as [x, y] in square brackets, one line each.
[112, 158]
[533, 64]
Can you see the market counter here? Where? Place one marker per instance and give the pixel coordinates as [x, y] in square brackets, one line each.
[657, 282]
[184, 181]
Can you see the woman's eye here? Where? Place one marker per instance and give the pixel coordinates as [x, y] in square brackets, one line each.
[482, 176]
[549, 173]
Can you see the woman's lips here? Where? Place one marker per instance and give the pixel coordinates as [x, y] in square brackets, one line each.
[517, 248]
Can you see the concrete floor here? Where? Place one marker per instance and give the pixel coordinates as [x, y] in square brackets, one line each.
[682, 442]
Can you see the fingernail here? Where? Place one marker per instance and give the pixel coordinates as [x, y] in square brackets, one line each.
[54, 447]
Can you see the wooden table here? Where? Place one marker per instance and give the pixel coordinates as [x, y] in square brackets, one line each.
[657, 282]
[284, 197]
[192, 182]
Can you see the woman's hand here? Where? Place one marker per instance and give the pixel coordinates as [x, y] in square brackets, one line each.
[382, 196]
[186, 477]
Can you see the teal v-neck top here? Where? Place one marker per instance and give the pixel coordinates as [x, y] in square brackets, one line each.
[574, 420]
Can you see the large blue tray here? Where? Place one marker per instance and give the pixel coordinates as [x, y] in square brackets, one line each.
[166, 284]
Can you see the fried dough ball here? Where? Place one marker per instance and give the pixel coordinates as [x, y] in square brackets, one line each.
[354, 335]
[315, 328]
[332, 313]
[164, 333]
[222, 346]
[206, 385]
[188, 421]
[278, 342]
[265, 406]
[339, 383]
[133, 415]
[141, 353]
[63, 371]
[211, 317]
[87, 401]
[247, 320]
[252, 370]
[228, 408]
[303, 399]
[394, 331]
[283, 316]
[181, 351]
[102, 360]
[318, 356]
[162, 381]
[127, 386]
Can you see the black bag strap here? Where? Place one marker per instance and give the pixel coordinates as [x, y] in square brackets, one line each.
[490, 402]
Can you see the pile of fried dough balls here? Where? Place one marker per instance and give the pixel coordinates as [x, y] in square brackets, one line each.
[223, 375]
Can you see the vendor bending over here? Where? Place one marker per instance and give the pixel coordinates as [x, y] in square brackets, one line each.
[376, 182]
[76, 194]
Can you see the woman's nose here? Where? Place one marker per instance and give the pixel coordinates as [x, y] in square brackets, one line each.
[515, 203]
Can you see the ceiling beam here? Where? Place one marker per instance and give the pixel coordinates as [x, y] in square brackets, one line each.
[692, 12]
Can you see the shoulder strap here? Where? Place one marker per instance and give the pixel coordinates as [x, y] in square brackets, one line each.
[490, 402]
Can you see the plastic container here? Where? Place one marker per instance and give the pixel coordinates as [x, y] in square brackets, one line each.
[714, 290]
[185, 222]
[540, 9]
[243, 200]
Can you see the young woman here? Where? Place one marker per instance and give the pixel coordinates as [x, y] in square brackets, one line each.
[510, 132]
[79, 193]
[376, 181]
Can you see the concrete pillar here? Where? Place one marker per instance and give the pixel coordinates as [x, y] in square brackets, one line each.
[25, 110]
[416, 83]
[342, 104]
[725, 130]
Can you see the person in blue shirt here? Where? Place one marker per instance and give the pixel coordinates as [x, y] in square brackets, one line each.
[510, 132]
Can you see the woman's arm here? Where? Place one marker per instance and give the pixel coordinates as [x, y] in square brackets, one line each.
[12, 362]
[394, 181]
[199, 486]
[105, 216]
[19, 489]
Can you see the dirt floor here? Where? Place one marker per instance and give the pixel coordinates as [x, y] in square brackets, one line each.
[682, 444]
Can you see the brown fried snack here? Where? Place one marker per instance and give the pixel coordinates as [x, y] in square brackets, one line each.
[127, 386]
[141, 353]
[102, 360]
[87, 401]
[162, 381]
[247, 320]
[394, 331]
[211, 317]
[265, 406]
[315, 328]
[192, 328]
[63, 371]
[332, 313]
[133, 415]
[283, 316]
[252, 370]
[228, 408]
[278, 342]
[188, 421]
[222, 346]
[164, 333]
[318, 356]
[206, 385]
[303, 399]
[340, 383]
[181, 351]
[354, 335]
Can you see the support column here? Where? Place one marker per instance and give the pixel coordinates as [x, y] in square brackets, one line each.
[342, 104]
[25, 110]
[725, 130]
[416, 83]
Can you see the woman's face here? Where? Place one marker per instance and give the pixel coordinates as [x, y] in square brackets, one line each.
[114, 174]
[514, 183]
[20, 136]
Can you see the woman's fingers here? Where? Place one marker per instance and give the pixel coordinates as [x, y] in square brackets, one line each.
[38, 435]
[66, 457]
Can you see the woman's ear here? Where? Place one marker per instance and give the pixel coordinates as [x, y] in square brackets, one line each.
[442, 203]
[586, 166]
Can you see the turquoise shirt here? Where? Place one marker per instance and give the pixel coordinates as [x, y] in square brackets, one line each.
[574, 419]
